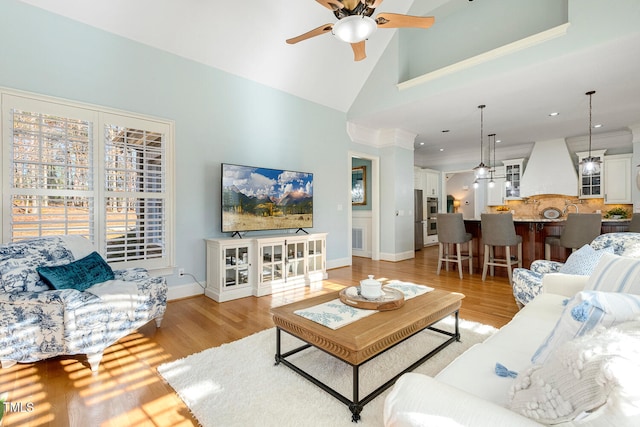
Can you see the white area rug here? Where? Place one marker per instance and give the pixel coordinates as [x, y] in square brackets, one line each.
[238, 384]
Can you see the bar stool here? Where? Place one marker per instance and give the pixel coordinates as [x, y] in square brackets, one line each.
[499, 230]
[579, 230]
[451, 230]
[634, 225]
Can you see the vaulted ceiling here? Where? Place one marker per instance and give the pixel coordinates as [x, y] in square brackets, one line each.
[523, 61]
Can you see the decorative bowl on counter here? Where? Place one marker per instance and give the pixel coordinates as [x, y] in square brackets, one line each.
[551, 213]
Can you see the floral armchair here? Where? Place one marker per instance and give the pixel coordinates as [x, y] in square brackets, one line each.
[38, 322]
[527, 283]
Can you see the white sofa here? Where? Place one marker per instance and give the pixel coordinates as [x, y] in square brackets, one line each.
[468, 392]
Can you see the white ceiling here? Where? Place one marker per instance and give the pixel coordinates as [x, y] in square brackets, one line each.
[247, 38]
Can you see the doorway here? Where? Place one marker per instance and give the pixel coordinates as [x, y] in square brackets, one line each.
[364, 210]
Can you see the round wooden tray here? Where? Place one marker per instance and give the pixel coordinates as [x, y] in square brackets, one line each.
[391, 300]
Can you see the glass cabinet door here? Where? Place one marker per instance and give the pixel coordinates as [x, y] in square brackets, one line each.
[295, 259]
[272, 262]
[315, 255]
[236, 266]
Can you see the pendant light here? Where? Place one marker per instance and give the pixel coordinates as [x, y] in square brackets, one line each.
[481, 170]
[492, 183]
[590, 165]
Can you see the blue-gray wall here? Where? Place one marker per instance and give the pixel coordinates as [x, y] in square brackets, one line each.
[218, 118]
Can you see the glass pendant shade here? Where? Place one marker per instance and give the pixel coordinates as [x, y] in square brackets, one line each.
[354, 28]
[590, 165]
[481, 170]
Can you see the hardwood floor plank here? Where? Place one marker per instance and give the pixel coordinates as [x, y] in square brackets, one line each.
[128, 391]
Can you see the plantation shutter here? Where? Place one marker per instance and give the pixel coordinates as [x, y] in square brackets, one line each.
[135, 189]
[71, 169]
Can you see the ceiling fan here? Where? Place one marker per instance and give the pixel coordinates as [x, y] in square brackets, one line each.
[355, 24]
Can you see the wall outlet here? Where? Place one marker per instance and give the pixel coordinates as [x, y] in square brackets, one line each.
[181, 272]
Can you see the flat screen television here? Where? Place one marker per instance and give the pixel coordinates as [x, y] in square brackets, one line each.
[255, 198]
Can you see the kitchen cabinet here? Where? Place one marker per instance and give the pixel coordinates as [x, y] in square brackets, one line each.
[513, 170]
[432, 184]
[591, 186]
[496, 194]
[617, 179]
[418, 179]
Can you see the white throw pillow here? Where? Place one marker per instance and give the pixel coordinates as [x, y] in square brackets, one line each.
[585, 311]
[593, 376]
[584, 260]
[615, 274]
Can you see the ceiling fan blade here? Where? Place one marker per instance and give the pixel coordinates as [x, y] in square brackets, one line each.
[358, 51]
[315, 32]
[331, 4]
[395, 20]
[372, 3]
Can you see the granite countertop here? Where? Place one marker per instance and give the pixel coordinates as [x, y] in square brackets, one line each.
[533, 219]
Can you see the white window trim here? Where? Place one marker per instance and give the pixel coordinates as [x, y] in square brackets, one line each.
[95, 113]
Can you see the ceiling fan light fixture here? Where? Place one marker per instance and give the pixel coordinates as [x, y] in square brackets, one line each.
[354, 28]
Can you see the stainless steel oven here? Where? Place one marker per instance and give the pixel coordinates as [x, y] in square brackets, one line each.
[432, 206]
[432, 211]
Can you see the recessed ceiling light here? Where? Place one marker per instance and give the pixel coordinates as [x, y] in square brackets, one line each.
[498, 141]
[422, 143]
[597, 126]
[442, 149]
[555, 113]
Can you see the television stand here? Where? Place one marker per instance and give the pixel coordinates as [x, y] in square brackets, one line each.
[303, 230]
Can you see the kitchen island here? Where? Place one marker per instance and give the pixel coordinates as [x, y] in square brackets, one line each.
[533, 232]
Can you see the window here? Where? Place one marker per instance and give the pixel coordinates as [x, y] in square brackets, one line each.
[78, 170]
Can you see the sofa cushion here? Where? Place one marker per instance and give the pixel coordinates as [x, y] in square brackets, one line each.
[616, 274]
[585, 311]
[584, 260]
[474, 370]
[78, 275]
[589, 377]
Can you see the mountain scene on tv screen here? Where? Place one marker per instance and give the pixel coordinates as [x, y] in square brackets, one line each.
[265, 199]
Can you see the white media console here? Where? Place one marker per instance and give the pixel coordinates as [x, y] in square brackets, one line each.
[262, 265]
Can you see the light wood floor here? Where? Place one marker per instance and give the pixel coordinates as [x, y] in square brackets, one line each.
[127, 390]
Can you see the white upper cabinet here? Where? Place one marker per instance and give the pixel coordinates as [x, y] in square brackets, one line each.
[591, 186]
[513, 170]
[617, 179]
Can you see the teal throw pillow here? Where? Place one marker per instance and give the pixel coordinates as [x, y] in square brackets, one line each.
[79, 275]
[583, 261]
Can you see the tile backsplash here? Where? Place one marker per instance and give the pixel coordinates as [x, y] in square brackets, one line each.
[532, 207]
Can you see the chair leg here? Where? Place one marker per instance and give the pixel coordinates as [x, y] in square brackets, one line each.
[492, 260]
[447, 256]
[470, 257]
[440, 252]
[508, 258]
[520, 255]
[485, 264]
[459, 257]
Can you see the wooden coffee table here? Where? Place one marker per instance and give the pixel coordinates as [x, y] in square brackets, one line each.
[366, 338]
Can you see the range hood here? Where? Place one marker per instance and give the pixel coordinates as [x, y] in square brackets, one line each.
[550, 170]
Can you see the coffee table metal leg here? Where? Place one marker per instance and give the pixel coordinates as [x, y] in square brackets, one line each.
[355, 407]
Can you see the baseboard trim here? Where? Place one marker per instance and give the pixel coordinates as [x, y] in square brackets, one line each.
[337, 263]
[184, 290]
[401, 256]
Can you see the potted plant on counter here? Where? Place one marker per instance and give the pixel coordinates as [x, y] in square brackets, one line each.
[617, 213]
